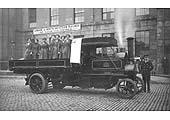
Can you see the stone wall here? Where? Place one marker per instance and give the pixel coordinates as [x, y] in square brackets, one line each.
[10, 38]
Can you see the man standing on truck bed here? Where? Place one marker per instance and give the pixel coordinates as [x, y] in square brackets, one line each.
[55, 46]
[29, 49]
[59, 46]
[52, 46]
[36, 49]
[66, 47]
[44, 49]
[145, 68]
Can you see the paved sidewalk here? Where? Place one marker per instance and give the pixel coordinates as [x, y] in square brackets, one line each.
[163, 80]
[10, 74]
[158, 79]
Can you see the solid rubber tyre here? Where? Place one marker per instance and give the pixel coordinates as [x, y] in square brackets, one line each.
[38, 84]
[126, 88]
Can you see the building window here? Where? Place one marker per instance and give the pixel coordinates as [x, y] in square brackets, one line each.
[108, 35]
[78, 15]
[142, 42]
[54, 16]
[142, 11]
[32, 17]
[108, 13]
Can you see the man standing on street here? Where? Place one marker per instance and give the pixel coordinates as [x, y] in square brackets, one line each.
[145, 69]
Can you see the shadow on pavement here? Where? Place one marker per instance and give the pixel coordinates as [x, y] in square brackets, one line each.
[79, 91]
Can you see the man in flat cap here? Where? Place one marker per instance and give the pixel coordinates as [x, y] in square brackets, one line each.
[52, 47]
[29, 49]
[36, 49]
[44, 49]
[67, 46]
[145, 68]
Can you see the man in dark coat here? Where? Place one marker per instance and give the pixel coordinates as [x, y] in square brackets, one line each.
[36, 49]
[52, 46]
[44, 49]
[67, 46]
[29, 49]
[145, 68]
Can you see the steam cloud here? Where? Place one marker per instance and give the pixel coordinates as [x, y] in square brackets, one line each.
[124, 25]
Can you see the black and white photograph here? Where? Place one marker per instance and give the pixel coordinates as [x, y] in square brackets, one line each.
[84, 58]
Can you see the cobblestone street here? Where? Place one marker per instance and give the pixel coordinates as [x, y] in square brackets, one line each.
[15, 96]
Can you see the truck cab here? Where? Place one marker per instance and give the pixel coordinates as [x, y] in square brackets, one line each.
[99, 54]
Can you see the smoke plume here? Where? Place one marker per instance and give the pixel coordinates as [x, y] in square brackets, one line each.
[124, 25]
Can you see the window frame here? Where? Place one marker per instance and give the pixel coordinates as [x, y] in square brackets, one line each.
[108, 12]
[32, 17]
[145, 39]
[79, 14]
[53, 16]
[142, 11]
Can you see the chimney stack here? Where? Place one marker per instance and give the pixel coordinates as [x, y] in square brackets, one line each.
[130, 46]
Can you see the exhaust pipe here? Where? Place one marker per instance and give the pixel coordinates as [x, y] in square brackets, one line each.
[130, 47]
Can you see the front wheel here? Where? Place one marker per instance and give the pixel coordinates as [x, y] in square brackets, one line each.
[38, 84]
[126, 88]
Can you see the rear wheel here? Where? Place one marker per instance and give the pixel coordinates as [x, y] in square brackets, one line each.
[126, 88]
[38, 84]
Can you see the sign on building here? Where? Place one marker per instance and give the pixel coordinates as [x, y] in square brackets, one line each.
[57, 29]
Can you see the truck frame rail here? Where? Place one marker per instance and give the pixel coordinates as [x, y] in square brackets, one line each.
[39, 63]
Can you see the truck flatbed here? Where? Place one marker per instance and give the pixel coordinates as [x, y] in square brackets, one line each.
[38, 63]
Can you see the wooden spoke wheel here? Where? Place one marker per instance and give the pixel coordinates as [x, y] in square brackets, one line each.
[126, 88]
[139, 84]
[38, 84]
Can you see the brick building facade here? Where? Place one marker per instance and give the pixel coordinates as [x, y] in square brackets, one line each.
[149, 27]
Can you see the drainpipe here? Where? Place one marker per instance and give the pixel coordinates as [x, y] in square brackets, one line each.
[164, 32]
[93, 23]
